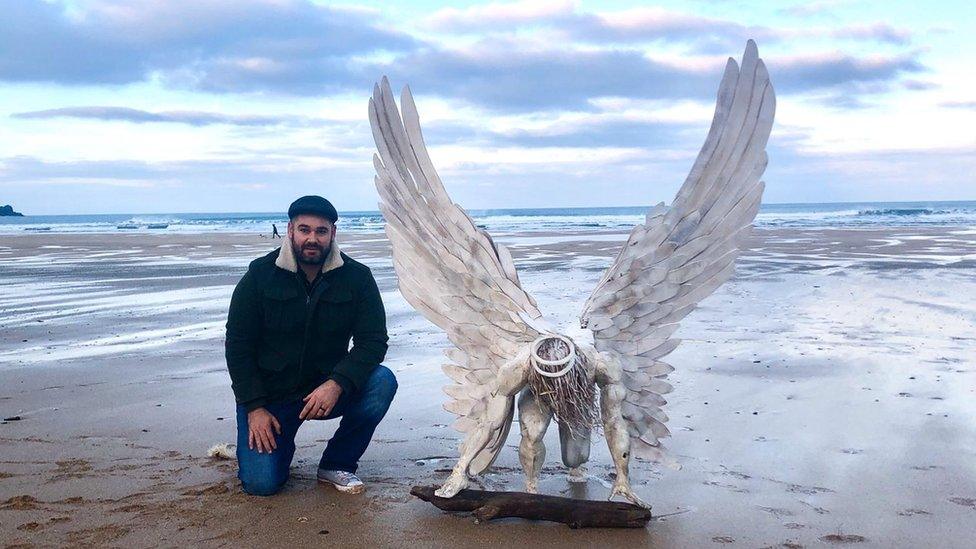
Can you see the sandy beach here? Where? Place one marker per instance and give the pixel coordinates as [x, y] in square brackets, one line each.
[825, 396]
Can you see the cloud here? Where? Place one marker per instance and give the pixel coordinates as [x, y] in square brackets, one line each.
[812, 72]
[650, 24]
[820, 7]
[923, 174]
[626, 26]
[919, 85]
[959, 104]
[193, 118]
[297, 47]
[505, 76]
[130, 186]
[616, 133]
[640, 25]
[186, 174]
[23, 169]
[589, 132]
[500, 14]
[240, 45]
[881, 32]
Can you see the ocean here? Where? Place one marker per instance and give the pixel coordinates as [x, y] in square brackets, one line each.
[841, 215]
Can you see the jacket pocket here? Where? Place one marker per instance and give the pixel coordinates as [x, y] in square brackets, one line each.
[335, 317]
[284, 309]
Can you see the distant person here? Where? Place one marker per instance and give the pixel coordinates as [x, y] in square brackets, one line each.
[274, 231]
[288, 330]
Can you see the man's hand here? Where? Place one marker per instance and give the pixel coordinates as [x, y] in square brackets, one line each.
[319, 402]
[260, 423]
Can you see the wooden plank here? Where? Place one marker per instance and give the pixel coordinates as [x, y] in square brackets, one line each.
[576, 513]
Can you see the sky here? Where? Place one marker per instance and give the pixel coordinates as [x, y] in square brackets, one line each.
[143, 106]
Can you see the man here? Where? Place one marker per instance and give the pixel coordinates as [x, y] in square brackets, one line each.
[288, 330]
[274, 231]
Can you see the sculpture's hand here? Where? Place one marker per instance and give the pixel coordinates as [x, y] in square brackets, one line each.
[455, 483]
[623, 489]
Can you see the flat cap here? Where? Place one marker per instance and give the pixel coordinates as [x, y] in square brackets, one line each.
[313, 205]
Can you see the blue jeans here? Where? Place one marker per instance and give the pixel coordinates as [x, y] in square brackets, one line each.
[265, 474]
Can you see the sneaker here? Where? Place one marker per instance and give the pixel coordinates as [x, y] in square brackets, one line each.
[344, 481]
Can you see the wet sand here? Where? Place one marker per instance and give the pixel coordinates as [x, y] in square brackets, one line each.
[824, 396]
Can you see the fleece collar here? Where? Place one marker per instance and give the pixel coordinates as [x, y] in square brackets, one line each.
[286, 257]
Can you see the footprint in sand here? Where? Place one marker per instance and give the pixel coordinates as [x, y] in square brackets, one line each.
[965, 502]
[731, 487]
[808, 490]
[843, 538]
[102, 535]
[778, 513]
[211, 490]
[71, 468]
[817, 510]
[430, 460]
[35, 526]
[913, 512]
[21, 503]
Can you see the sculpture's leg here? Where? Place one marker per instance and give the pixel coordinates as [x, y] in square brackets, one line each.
[534, 418]
[612, 393]
[510, 379]
[575, 451]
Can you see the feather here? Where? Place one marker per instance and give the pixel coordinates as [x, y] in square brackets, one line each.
[454, 372]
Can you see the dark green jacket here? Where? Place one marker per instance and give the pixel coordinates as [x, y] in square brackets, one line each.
[282, 342]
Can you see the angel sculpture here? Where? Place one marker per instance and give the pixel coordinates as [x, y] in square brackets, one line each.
[461, 280]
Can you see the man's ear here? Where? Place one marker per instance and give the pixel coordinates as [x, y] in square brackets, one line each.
[290, 229]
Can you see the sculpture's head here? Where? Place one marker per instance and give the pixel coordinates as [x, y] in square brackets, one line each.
[561, 382]
[553, 355]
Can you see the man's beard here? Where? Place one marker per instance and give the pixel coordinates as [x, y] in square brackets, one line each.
[317, 259]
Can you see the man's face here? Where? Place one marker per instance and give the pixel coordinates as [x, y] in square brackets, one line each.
[311, 238]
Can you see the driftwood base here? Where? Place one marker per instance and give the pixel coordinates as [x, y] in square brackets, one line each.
[576, 513]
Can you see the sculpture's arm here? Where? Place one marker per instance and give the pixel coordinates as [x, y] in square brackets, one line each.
[612, 393]
[511, 378]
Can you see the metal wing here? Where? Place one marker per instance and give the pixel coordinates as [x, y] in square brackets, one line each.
[681, 254]
[448, 269]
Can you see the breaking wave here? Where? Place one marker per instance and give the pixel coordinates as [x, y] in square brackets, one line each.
[865, 214]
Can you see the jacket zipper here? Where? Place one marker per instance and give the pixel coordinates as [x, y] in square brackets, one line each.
[308, 324]
[301, 361]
